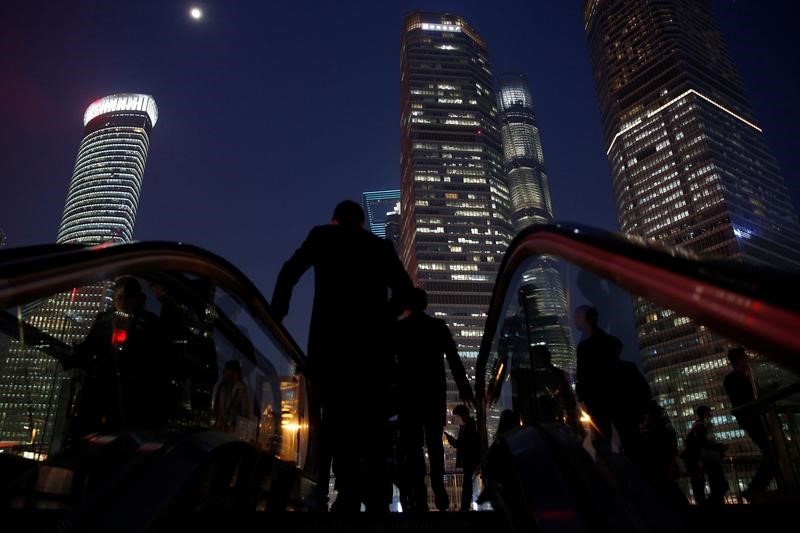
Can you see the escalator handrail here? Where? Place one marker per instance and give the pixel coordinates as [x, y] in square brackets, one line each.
[757, 306]
[28, 273]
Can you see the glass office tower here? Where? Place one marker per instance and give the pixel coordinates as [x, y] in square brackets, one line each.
[378, 206]
[690, 167]
[454, 198]
[104, 192]
[454, 204]
[101, 207]
[542, 287]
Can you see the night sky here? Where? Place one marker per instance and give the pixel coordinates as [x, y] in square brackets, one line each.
[270, 112]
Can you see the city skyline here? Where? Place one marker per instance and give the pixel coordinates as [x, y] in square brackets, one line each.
[185, 198]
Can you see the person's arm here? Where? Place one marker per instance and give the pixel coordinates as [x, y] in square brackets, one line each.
[290, 274]
[80, 355]
[456, 366]
[452, 441]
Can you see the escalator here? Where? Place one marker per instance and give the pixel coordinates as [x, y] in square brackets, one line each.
[130, 470]
[686, 313]
[198, 397]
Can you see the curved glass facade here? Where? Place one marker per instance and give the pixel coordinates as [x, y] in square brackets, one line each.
[107, 181]
[522, 153]
[542, 289]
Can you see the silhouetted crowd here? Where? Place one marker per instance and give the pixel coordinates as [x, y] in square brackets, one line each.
[377, 370]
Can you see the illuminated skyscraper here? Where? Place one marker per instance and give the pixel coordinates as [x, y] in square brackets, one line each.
[454, 205]
[690, 167]
[378, 205]
[542, 287]
[101, 207]
[454, 197]
[104, 192]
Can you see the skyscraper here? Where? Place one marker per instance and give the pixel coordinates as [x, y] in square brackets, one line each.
[542, 288]
[101, 207]
[104, 192]
[454, 204]
[454, 196]
[378, 205]
[690, 167]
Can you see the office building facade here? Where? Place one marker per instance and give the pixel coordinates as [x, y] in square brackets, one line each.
[690, 167]
[454, 196]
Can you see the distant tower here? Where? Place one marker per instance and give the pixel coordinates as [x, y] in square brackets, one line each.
[523, 156]
[378, 205]
[542, 289]
[104, 192]
[101, 207]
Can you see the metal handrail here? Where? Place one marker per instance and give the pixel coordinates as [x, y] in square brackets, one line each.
[28, 273]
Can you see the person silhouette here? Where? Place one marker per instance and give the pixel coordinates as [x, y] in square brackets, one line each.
[597, 356]
[556, 400]
[740, 389]
[233, 403]
[421, 340]
[468, 451]
[121, 388]
[703, 457]
[350, 360]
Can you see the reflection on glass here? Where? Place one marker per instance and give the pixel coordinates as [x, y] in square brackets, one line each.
[163, 352]
[684, 363]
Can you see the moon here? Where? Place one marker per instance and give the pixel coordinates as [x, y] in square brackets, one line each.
[196, 13]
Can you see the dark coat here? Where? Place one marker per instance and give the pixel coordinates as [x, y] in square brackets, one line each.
[467, 445]
[740, 391]
[421, 341]
[121, 388]
[352, 317]
[597, 359]
[629, 399]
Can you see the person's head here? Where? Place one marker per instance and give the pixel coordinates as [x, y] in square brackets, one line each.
[232, 371]
[417, 300]
[348, 213]
[703, 412]
[738, 358]
[461, 412]
[541, 355]
[508, 421]
[128, 295]
[586, 318]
